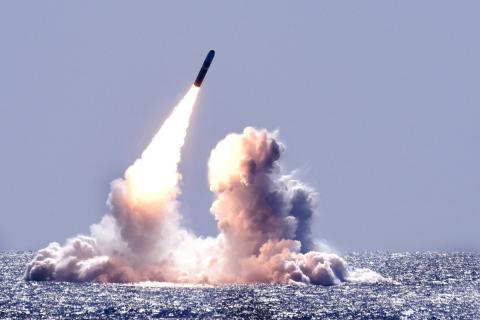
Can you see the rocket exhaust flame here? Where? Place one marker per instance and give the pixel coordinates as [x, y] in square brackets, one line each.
[154, 175]
[262, 214]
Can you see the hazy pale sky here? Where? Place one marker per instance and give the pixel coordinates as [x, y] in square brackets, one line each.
[378, 103]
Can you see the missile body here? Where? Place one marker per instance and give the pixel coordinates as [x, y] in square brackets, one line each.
[204, 69]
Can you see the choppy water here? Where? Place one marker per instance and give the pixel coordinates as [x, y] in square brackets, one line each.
[427, 286]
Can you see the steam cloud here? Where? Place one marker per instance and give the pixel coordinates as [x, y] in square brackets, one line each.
[263, 216]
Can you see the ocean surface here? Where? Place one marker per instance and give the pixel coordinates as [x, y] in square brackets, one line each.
[424, 285]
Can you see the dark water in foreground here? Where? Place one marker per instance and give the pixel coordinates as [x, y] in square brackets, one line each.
[428, 286]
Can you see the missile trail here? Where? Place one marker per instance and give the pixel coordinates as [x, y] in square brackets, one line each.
[156, 172]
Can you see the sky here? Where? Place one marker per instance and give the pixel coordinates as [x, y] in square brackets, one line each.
[377, 102]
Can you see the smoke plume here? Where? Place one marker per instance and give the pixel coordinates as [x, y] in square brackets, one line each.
[263, 217]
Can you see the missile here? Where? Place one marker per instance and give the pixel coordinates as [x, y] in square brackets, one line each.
[204, 69]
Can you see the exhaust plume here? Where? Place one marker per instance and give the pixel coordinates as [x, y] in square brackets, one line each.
[263, 217]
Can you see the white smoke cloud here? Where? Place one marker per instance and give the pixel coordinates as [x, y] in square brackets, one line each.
[263, 216]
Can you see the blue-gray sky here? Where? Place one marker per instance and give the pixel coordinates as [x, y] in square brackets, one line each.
[378, 103]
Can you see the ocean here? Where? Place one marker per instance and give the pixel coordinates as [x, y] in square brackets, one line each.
[424, 285]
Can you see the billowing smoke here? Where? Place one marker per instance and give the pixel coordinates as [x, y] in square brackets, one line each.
[263, 216]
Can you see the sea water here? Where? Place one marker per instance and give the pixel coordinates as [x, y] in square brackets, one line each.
[424, 285]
